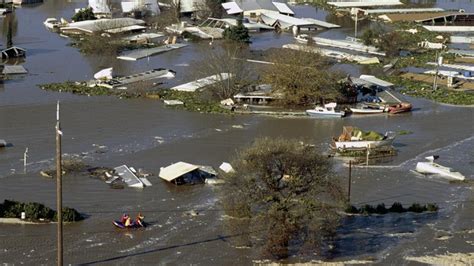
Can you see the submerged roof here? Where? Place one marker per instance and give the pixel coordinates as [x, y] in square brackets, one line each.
[366, 3]
[248, 5]
[112, 25]
[176, 170]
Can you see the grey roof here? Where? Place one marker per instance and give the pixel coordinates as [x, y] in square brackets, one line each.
[247, 5]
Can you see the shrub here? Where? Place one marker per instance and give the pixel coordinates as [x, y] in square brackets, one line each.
[367, 209]
[380, 209]
[84, 14]
[415, 207]
[351, 209]
[432, 207]
[397, 207]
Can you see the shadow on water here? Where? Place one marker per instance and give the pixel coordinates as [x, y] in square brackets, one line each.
[198, 242]
[366, 235]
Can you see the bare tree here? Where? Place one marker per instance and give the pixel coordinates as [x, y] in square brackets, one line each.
[219, 60]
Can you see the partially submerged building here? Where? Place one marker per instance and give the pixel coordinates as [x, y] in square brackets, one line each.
[100, 8]
[13, 52]
[185, 173]
[112, 26]
[141, 6]
[254, 8]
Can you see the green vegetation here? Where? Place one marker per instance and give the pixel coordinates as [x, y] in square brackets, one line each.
[287, 193]
[83, 89]
[84, 14]
[36, 212]
[396, 207]
[424, 90]
[304, 78]
[396, 38]
[101, 45]
[193, 101]
[404, 132]
[237, 33]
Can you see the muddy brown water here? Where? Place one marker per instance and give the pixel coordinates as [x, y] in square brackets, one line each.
[145, 134]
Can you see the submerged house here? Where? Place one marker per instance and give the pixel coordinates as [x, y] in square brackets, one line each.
[140, 6]
[100, 8]
[254, 8]
[13, 52]
[186, 173]
[115, 25]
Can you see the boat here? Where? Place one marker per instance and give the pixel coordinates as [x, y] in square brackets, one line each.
[3, 143]
[135, 224]
[431, 167]
[399, 108]
[367, 110]
[302, 38]
[52, 23]
[353, 138]
[328, 110]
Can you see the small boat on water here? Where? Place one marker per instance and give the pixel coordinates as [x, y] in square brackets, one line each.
[52, 23]
[399, 108]
[353, 138]
[3, 143]
[431, 167]
[367, 110]
[328, 110]
[302, 38]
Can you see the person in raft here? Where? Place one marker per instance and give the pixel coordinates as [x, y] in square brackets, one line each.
[124, 218]
[139, 220]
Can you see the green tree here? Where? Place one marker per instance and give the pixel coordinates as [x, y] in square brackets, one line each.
[286, 193]
[84, 14]
[237, 33]
[303, 77]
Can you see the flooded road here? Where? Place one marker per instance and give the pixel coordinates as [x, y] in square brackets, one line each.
[145, 134]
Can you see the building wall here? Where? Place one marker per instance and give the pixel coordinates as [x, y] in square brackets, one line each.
[257, 12]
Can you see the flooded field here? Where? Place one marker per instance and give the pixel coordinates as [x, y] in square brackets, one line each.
[145, 134]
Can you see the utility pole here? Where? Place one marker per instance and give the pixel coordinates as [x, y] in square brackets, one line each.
[350, 181]
[25, 157]
[59, 189]
[439, 60]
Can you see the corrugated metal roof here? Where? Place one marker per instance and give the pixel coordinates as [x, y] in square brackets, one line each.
[232, 8]
[376, 81]
[283, 8]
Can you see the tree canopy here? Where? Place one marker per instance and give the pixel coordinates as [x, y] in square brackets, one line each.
[303, 77]
[237, 33]
[286, 193]
[84, 14]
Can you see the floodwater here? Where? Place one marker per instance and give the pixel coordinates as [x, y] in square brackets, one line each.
[145, 134]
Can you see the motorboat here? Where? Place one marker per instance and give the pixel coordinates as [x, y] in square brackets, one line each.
[355, 139]
[399, 108]
[52, 23]
[433, 168]
[302, 38]
[366, 110]
[3, 143]
[328, 110]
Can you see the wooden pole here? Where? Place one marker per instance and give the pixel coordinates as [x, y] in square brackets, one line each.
[59, 190]
[25, 158]
[350, 182]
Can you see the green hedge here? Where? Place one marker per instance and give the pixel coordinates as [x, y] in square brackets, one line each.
[396, 207]
[35, 211]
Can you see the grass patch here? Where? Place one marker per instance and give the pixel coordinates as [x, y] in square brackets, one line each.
[35, 211]
[83, 89]
[404, 132]
[396, 207]
[424, 90]
[193, 101]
